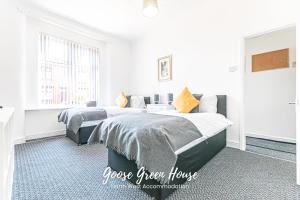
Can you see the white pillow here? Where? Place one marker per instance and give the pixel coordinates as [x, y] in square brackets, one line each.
[137, 102]
[208, 104]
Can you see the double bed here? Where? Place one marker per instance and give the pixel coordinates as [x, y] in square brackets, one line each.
[158, 148]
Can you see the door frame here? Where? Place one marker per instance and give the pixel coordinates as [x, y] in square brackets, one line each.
[242, 139]
[297, 101]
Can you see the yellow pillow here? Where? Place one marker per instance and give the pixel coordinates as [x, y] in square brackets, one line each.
[122, 100]
[185, 102]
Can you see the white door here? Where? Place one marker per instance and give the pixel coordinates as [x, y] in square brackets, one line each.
[269, 95]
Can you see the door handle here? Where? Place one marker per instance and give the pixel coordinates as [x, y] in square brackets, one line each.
[292, 103]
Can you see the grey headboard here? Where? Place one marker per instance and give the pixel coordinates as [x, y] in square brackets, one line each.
[222, 105]
[147, 100]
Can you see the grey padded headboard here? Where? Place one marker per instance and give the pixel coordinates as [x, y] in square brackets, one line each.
[222, 105]
[147, 100]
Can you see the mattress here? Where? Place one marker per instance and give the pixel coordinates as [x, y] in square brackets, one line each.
[209, 125]
[115, 110]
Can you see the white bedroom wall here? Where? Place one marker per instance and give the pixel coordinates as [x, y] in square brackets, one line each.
[12, 28]
[114, 62]
[267, 93]
[205, 39]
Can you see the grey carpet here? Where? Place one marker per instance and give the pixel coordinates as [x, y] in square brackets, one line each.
[281, 150]
[59, 169]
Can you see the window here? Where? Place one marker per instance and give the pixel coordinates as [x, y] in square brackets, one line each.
[68, 72]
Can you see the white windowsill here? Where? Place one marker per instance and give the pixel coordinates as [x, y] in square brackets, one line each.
[38, 108]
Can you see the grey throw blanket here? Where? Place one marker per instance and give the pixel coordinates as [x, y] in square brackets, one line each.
[149, 139]
[74, 117]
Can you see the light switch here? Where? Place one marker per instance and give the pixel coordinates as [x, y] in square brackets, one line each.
[233, 68]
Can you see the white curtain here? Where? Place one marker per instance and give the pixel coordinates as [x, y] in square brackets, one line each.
[69, 72]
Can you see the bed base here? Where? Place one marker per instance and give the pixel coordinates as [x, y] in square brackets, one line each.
[188, 161]
[84, 132]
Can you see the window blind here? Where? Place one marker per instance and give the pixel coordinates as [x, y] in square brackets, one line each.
[68, 72]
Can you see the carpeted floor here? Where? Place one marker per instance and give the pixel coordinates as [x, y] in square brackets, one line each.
[59, 169]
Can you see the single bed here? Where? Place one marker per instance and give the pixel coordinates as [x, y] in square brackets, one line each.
[190, 158]
[80, 122]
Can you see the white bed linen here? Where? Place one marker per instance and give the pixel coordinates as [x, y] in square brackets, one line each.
[209, 124]
[115, 110]
[137, 102]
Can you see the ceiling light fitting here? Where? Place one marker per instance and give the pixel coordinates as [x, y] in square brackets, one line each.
[150, 8]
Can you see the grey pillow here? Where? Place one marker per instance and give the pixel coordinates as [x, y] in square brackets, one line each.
[198, 97]
[91, 104]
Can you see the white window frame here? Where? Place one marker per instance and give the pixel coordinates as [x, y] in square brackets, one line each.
[97, 73]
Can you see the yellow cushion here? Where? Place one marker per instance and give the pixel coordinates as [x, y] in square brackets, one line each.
[185, 102]
[122, 100]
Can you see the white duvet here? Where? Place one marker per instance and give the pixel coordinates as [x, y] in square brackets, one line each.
[115, 110]
[209, 124]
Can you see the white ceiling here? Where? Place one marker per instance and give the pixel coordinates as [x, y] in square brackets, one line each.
[119, 17]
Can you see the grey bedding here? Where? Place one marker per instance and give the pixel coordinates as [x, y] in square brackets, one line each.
[75, 117]
[149, 139]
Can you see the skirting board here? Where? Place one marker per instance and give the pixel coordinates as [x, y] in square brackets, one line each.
[233, 144]
[279, 139]
[43, 135]
[39, 136]
[19, 140]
